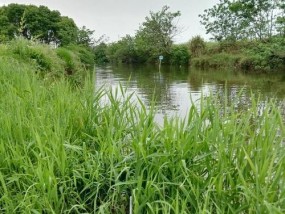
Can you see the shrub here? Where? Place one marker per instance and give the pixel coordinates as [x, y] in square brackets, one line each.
[100, 54]
[179, 55]
[85, 54]
[197, 46]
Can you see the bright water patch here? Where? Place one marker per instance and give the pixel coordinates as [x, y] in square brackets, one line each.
[174, 90]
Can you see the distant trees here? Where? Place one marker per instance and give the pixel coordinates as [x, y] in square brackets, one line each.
[85, 36]
[239, 19]
[157, 32]
[41, 23]
[153, 38]
[280, 23]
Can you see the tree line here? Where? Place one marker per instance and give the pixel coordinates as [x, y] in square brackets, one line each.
[154, 37]
[41, 23]
[228, 20]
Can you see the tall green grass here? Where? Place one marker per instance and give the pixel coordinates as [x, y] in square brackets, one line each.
[73, 62]
[63, 151]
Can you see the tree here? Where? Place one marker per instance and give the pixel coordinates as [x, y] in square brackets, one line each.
[221, 22]
[41, 23]
[10, 20]
[156, 34]
[260, 15]
[241, 19]
[280, 20]
[6, 29]
[100, 53]
[85, 36]
[123, 51]
[67, 31]
[33, 22]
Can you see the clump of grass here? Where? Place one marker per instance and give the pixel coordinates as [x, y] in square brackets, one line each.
[50, 63]
[75, 70]
[245, 55]
[221, 60]
[63, 151]
[40, 55]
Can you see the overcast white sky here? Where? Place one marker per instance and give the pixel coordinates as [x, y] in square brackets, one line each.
[116, 18]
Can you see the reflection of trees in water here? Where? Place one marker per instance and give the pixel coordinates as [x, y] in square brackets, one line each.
[268, 85]
[152, 84]
[226, 86]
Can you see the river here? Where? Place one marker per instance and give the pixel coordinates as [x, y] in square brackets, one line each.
[174, 89]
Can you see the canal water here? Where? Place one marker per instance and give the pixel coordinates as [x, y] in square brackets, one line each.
[173, 90]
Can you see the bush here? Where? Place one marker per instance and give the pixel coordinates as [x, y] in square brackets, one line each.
[266, 56]
[197, 46]
[221, 60]
[100, 54]
[85, 54]
[179, 55]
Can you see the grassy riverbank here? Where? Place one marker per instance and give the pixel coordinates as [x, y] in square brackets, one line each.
[246, 55]
[63, 152]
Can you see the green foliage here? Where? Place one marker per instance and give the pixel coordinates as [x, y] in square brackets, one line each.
[71, 61]
[67, 31]
[6, 29]
[40, 55]
[243, 19]
[85, 37]
[268, 55]
[41, 23]
[220, 60]
[219, 21]
[197, 46]
[65, 151]
[179, 55]
[84, 53]
[123, 51]
[100, 53]
[47, 62]
[246, 55]
[155, 36]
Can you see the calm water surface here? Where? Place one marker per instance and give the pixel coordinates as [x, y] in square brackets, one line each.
[175, 89]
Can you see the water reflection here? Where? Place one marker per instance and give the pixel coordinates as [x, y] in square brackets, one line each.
[174, 89]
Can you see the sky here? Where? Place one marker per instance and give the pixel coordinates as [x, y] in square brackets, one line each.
[116, 18]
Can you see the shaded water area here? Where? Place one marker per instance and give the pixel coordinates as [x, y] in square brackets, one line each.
[175, 89]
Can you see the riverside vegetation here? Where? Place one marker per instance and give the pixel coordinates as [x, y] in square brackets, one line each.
[62, 150]
[247, 35]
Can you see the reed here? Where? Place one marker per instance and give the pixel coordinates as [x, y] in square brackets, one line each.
[67, 150]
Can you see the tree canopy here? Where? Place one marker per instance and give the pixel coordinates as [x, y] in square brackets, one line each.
[41, 23]
[255, 19]
[157, 32]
